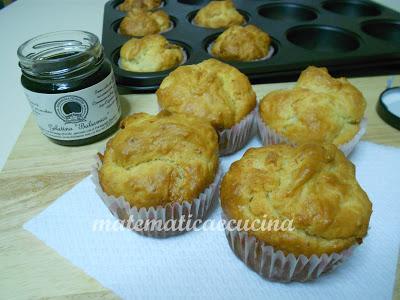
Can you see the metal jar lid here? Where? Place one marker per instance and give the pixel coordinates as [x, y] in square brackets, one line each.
[388, 106]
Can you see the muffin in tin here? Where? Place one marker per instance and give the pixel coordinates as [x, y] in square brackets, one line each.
[160, 164]
[151, 53]
[218, 14]
[319, 109]
[241, 43]
[312, 189]
[140, 22]
[127, 5]
[216, 92]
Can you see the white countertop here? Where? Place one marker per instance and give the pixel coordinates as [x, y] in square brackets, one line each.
[25, 19]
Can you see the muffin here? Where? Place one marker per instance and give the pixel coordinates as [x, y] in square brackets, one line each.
[151, 53]
[218, 14]
[310, 194]
[140, 22]
[127, 5]
[216, 92]
[162, 166]
[241, 43]
[319, 109]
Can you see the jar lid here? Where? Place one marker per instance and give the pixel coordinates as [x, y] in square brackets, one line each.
[388, 106]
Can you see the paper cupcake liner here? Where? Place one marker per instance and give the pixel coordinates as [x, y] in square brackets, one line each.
[349, 146]
[189, 212]
[235, 138]
[269, 136]
[270, 53]
[274, 265]
[171, 26]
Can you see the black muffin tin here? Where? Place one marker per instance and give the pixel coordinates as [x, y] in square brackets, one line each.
[351, 38]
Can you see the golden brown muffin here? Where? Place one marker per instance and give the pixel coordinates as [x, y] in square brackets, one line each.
[218, 14]
[318, 109]
[127, 5]
[312, 184]
[140, 22]
[156, 160]
[241, 43]
[211, 89]
[151, 53]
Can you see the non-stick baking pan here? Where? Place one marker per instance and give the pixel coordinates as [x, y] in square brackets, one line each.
[350, 37]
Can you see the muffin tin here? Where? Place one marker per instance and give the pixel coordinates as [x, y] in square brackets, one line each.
[350, 37]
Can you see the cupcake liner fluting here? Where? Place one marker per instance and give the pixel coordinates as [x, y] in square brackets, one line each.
[186, 214]
[235, 138]
[269, 136]
[274, 265]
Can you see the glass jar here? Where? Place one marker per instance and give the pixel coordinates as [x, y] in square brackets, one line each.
[70, 86]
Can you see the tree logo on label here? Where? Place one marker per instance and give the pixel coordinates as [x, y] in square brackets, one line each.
[71, 109]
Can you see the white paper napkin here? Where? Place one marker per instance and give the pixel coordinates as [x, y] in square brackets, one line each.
[201, 265]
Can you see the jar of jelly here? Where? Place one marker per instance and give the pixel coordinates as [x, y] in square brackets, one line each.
[70, 87]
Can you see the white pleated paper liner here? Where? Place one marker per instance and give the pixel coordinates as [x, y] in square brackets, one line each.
[134, 217]
[274, 265]
[236, 137]
[270, 137]
[270, 53]
[349, 146]
[184, 60]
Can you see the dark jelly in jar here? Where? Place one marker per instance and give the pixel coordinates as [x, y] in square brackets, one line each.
[70, 87]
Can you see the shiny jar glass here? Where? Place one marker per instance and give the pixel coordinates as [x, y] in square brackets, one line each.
[70, 87]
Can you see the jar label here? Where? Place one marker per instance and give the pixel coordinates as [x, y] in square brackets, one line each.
[77, 115]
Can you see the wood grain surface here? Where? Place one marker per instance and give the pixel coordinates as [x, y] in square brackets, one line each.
[38, 172]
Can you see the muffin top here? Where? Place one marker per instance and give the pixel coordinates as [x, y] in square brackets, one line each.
[156, 160]
[140, 22]
[127, 5]
[218, 14]
[314, 185]
[241, 43]
[211, 89]
[150, 53]
[319, 109]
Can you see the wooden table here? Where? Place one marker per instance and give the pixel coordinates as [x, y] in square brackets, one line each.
[38, 172]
